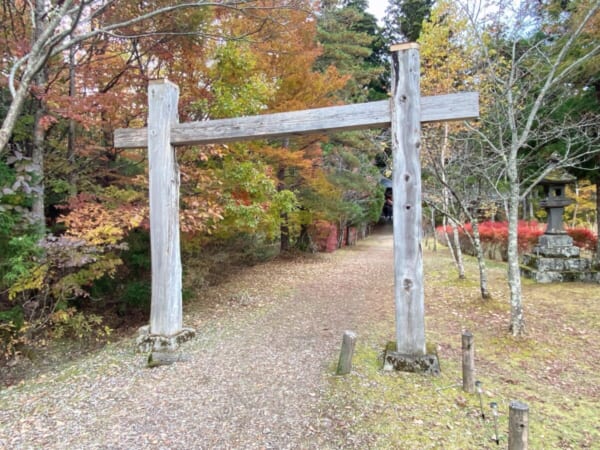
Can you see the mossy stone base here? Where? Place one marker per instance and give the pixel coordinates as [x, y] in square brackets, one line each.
[156, 359]
[147, 342]
[428, 364]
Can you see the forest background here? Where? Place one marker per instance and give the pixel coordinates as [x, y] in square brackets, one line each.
[74, 241]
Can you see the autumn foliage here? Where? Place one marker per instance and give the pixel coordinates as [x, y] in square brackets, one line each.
[494, 237]
[91, 242]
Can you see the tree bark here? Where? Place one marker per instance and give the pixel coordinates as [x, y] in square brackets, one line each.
[458, 251]
[447, 236]
[517, 324]
[483, 282]
[37, 157]
[72, 127]
[39, 131]
[284, 229]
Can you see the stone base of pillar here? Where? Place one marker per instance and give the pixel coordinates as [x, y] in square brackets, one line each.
[147, 342]
[427, 364]
[156, 359]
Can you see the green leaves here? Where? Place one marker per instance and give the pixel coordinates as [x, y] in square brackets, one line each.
[252, 202]
[237, 87]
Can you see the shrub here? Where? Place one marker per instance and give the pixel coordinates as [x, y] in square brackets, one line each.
[583, 238]
[70, 323]
[137, 294]
[494, 237]
[12, 331]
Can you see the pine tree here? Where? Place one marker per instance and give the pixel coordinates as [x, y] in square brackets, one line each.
[404, 19]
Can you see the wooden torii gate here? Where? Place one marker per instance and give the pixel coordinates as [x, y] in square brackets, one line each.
[404, 112]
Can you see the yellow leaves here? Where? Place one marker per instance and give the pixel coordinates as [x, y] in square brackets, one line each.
[103, 234]
[136, 218]
[447, 51]
[62, 315]
[31, 280]
[71, 323]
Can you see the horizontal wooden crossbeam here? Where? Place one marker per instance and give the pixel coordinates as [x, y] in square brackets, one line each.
[440, 108]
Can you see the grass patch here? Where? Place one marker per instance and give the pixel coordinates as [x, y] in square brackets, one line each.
[555, 369]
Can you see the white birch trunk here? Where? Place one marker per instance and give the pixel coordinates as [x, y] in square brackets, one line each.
[517, 324]
[166, 309]
[447, 236]
[460, 265]
[483, 282]
[406, 143]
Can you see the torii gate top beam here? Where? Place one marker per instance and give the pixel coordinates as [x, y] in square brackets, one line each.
[440, 108]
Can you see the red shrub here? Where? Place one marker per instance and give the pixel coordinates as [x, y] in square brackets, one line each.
[583, 238]
[494, 237]
[529, 233]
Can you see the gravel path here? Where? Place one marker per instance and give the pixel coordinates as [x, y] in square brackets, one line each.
[254, 378]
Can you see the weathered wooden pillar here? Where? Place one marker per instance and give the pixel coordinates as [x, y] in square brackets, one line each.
[406, 184]
[166, 324]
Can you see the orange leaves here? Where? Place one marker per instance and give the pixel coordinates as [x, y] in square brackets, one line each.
[47, 121]
[92, 220]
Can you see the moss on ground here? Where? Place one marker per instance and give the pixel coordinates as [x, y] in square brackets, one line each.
[555, 369]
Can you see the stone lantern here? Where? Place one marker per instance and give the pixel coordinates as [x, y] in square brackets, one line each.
[555, 185]
[555, 242]
[555, 258]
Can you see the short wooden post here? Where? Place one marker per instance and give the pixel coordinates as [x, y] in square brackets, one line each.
[518, 426]
[406, 183]
[345, 362]
[468, 362]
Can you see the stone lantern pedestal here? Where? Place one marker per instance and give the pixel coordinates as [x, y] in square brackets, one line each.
[555, 258]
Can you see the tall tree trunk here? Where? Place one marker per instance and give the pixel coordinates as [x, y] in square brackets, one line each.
[483, 281]
[39, 131]
[447, 237]
[433, 229]
[517, 323]
[284, 229]
[458, 251]
[531, 211]
[37, 156]
[14, 111]
[72, 129]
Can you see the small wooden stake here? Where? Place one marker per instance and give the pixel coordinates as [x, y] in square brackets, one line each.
[345, 362]
[518, 426]
[468, 362]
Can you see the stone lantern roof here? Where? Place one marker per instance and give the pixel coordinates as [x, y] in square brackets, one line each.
[554, 187]
[558, 177]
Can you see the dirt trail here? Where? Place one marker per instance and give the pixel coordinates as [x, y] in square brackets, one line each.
[254, 378]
